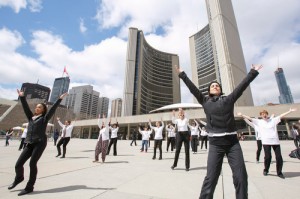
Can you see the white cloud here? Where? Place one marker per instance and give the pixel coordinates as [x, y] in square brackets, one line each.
[35, 5]
[16, 5]
[82, 26]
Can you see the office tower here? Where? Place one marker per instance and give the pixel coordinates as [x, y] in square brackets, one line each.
[60, 86]
[285, 95]
[203, 60]
[150, 78]
[116, 108]
[227, 48]
[35, 91]
[83, 100]
[103, 106]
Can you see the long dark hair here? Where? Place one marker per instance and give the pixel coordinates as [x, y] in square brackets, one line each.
[44, 108]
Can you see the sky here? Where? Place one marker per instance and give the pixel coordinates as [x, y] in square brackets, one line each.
[38, 38]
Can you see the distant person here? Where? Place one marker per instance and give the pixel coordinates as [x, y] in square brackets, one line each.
[8, 135]
[65, 137]
[269, 137]
[36, 140]
[55, 136]
[145, 137]
[158, 130]
[134, 137]
[204, 136]
[23, 137]
[194, 128]
[171, 136]
[295, 132]
[114, 137]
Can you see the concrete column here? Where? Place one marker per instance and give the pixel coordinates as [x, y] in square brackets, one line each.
[90, 132]
[249, 130]
[128, 132]
[288, 128]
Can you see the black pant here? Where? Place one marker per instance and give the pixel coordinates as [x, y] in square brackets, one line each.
[214, 165]
[55, 140]
[64, 142]
[113, 141]
[204, 140]
[157, 143]
[259, 147]
[279, 160]
[194, 143]
[22, 144]
[182, 136]
[133, 140]
[297, 141]
[171, 140]
[34, 151]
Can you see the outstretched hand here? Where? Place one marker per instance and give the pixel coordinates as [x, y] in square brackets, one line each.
[256, 66]
[178, 69]
[63, 95]
[20, 93]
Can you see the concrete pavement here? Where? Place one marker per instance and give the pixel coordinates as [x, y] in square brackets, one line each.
[134, 175]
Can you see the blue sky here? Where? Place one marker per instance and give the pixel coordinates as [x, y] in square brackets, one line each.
[39, 37]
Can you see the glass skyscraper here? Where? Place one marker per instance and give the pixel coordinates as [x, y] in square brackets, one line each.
[285, 95]
[60, 86]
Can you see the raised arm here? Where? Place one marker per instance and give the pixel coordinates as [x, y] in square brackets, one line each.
[24, 103]
[150, 124]
[162, 123]
[54, 107]
[288, 112]
[244, 116]
[59, 122]
[197, 124]
[202, 122]
[173, 117]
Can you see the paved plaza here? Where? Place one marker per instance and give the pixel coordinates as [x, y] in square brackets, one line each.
[134, 175]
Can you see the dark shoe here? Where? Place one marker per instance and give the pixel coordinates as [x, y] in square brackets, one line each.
[14, 184]
[187, 169]
[58, 155]
[25, 191]
[173, 167]
[153, 158]
[62, 157]
[160, 158]
[265, 173]
[281, 176]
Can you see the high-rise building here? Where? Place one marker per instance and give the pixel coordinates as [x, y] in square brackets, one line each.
[150, 78]
[116, 108]
[285, 95]
[103, 106]
[35, 91]
[83, 100]
[204, 63]
[60, 86]
[227, 48]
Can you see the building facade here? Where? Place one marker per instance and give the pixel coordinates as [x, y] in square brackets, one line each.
[103, 106]
[285, 95]
[116, 108]
[83, 100]
[150, 78]
[35, 91]
[204, 63]
[227, 48]
[60, 86]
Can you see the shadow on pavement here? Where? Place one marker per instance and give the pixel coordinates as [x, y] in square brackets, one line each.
[69, 188]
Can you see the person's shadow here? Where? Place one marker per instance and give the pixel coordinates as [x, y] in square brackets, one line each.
[69, 188]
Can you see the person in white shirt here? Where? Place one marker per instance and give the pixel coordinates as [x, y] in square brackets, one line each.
[295, 133]
[182, 136]
[269, 137]
[65, 137]
[103, 139]
[23, 137]
[145, 137]
[114, 137]
[171, 136]
[157, 137]
[195, 135]
[204, 136]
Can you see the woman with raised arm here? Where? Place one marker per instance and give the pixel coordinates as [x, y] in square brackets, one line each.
[269, 138]
[182, 136]
[171, 136]
[194, 128]
[65, 137]
[221, 130]
[103, 139]
[114, 137]
[36, 140]
[158, 130]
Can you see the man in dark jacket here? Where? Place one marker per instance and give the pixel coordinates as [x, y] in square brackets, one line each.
[134, 135]
[222, 134]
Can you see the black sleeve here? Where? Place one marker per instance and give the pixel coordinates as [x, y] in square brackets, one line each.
[52, 110]
[238, 91]
[26, 108]
[191, 86]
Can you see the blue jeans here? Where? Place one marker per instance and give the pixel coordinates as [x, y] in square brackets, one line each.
[144, 143]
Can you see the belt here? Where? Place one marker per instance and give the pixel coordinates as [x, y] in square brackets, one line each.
[221, 134]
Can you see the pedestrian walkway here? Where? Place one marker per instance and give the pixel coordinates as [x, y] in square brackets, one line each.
[134, 175]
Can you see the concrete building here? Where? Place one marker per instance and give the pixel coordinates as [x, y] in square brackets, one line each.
[285, 95]
[103, 106]
[60, 86]
[204, 62]
[36, 91]
[150, 78]
[83, 100]
[116, 108]
[227, 48]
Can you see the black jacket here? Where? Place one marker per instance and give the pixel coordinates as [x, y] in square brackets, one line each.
[219, 110]
[37, 128]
